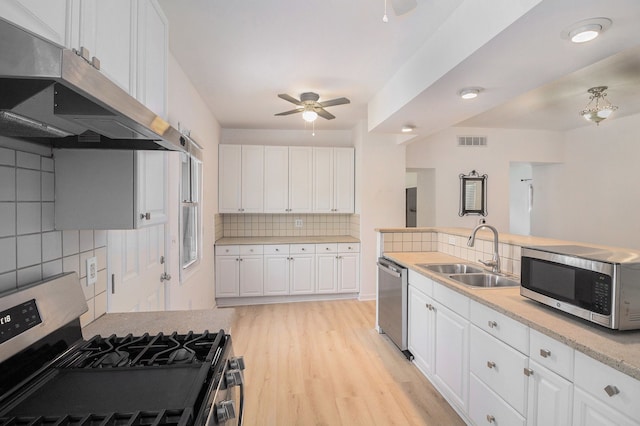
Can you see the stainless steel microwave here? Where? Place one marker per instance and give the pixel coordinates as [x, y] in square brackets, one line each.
[598, 285]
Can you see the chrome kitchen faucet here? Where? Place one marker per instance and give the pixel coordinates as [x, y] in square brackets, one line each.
[495, 260]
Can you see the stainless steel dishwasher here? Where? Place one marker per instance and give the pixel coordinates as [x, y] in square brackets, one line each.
[393, 303]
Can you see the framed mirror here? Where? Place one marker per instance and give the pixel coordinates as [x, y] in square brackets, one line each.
[473, 194]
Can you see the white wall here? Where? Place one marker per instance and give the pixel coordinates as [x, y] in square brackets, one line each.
[187, 108]
[504, 146]
[287, 137]
[380, 179]
[520, 177]
[593, 197]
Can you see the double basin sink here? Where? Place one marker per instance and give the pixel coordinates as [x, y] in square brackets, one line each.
[470, 275]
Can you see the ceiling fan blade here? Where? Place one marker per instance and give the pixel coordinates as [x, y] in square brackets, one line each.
[293, 111]
[332, 102]
[324, 113]
[400, 7]
[289, 98]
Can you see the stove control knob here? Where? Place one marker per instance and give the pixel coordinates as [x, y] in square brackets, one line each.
[236, 363]
[225, 410]
[233, 378]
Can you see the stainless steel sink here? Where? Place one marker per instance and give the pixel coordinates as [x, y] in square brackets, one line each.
[451, 268]
[484, 280]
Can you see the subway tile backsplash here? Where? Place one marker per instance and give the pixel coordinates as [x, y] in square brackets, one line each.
[284, 225]
[30, 248]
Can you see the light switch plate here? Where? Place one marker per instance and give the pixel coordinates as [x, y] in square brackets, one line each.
[298, 223]
[452, 240]
[92, 271]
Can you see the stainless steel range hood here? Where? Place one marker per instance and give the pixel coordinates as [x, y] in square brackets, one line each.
[49, 94]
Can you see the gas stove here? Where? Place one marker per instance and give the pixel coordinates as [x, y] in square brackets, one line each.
[52, 376]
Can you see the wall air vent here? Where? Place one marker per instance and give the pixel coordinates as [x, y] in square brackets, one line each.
[472, 141]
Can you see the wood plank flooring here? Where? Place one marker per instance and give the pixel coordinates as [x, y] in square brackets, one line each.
[323, 363]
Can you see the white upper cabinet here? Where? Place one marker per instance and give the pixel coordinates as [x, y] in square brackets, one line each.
[47, 19]
[300, 179]
[241, 175]
[152, 57]
[276, 179]
[107, 29]
[333, 180]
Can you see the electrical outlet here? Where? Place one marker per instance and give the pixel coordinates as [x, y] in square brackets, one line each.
[452, 241]
[298, 223]
[92, 270]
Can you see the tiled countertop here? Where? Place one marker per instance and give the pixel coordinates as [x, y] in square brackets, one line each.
[287, 240]
[618, 349]
[138, 323]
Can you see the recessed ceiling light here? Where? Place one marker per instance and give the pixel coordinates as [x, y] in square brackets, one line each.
[586, 30]
[469, 92]
[408, 128]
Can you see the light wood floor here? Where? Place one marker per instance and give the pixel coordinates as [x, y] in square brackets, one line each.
[323, 363]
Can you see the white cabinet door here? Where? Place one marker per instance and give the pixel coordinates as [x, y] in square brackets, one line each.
[227, 276]
[229, 178]
[300, 179]
[322, 180]
[107, 29]
[451, 367]
[550, 398]
[487, 408]
[276, 275]
[348, 272]
[344, 185]
[251, 276]
[302, 278]
[276, 179]
[326, 279]
[151, 187]
[44, 18]
[252, 192]
[152, 57]
[589, 411]
[421, 329]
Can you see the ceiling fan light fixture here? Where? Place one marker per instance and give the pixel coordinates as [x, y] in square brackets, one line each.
[408, 128]
[469, 92]
[601, 108]
[587, 30]
[309, 115]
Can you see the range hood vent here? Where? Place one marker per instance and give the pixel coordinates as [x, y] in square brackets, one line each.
[49, 94]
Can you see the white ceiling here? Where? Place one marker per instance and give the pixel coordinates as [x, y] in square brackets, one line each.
[240, 54]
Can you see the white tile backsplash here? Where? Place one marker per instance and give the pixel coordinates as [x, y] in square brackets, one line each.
[8, 281]
[7, 157]
[71, 264]
[70, 242]
[29, 218]
[7, 254]
[51, 246]
[52, 268]
[28, 185]
[26, 160]
[7, 183]
[48, 217]
[7, 219]
[48, 193]
[29, 275]
[86, 240]
[29, 250]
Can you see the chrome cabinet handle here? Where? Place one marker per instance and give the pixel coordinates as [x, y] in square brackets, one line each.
[491, 364]
[545, 353]
[145, 216]
[490, 418]
[528, 372]
[493, 324]
[611, 390]
[429, 306]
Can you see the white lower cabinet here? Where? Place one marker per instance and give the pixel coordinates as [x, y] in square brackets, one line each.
[550, 397]
[590, 411]
[287, 269]
[487, 408]
[421, 329]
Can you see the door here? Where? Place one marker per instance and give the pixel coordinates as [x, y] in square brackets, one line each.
[550, 398]
[302, 278]
[411, 207]
[251, 276]
[229, 178]
[227, 276]
[276, 275]
[348, 272]
[421, 320]
[326, 273]
[135, 267]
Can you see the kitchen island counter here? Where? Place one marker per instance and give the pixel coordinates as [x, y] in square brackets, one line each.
[618, 349]
[138, 323]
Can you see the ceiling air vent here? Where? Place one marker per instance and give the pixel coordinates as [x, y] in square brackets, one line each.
[472, 141]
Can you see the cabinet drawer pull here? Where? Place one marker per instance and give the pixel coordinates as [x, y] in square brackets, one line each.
[528, 372]
[490, 418]
[611, 390]
[493, 324]
[545, 353]
[429, 306]
[303, 249]
[491, 364]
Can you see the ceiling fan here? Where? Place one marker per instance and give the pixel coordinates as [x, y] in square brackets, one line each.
[309, 106]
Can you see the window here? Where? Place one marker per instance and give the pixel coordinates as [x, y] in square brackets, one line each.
[190, 211]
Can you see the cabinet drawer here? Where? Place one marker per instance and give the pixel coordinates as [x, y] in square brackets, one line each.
[594, 377]
[227, 250]
[421, 282]
[302, 249]
[500, 367]
[554, 355]
[276, 249]
[251, 249]
[453, 300]
[327, 248]
[508, 330]
[349, 247]
[487, 408]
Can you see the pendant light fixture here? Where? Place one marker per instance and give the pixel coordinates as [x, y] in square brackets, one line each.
[598, 108]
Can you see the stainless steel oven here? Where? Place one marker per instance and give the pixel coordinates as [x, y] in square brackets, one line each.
[50, 375]
[598, 285]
